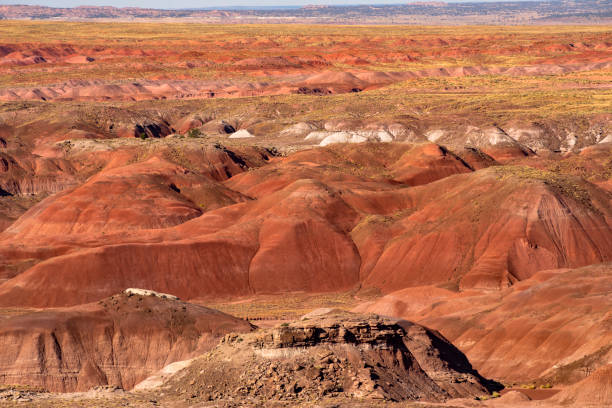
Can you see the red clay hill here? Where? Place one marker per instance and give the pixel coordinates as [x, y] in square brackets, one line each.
[117, 341]
[319, 220]
[552, 327]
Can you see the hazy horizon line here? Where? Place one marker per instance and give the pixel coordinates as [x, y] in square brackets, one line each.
[298, 4]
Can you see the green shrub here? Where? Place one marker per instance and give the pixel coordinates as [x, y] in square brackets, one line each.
[194, 133]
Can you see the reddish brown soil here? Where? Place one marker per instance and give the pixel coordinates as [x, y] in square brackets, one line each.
[534, 395]
[552, 325]
[593, 391]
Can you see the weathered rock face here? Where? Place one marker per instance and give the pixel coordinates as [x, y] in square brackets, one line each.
[448, 367]
[339, 355]
[118, 341]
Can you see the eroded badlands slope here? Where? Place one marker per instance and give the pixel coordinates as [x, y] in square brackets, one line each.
[118, 341]
[370, 213]
[553, 326]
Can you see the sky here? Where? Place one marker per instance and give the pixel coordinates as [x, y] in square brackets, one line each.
[175, 4]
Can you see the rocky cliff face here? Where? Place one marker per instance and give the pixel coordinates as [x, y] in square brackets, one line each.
[337, 355]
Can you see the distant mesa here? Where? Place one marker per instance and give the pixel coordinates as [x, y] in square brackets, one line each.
[427, 3]
[315, 6]
[420, 12]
